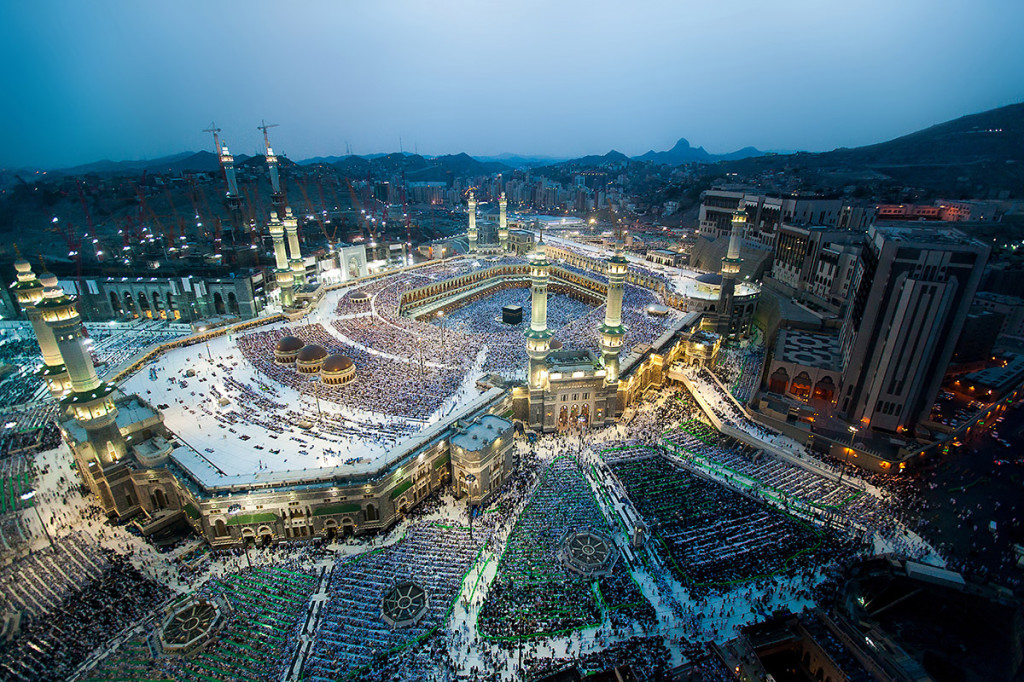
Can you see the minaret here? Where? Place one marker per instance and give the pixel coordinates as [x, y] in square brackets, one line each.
[29, 291]
[234, 200]
[89, 401]
[613, 331]
[471, 233]
[277, 198]
[730, 271]
[503, 222]
[283, 273]
[291, 224]
[538, 336]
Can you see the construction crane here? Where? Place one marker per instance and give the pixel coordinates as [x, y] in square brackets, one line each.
[216, 150]
[316, 215]
[74, 242]
[408, 222]
[216, 138]
[264, 126]
[179, 222]
[356, 206]
[85, 208]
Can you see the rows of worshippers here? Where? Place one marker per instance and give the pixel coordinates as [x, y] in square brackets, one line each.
[73, 597]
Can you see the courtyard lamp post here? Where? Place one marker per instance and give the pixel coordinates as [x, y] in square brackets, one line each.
[28, 495]
[470, 480]
[440, 316]
[847, 451]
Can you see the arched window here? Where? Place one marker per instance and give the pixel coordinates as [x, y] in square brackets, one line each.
[779, 381]
[801, 386]
[825, 389]
[371, 512]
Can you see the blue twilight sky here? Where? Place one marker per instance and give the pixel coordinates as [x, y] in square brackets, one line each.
[84, 80]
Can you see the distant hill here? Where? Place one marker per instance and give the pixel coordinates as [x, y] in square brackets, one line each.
[978, 156]
[521, 161]
[176, 163]
[597, 160]
[416, 167]
[994, 135]
[682, 153]
[260, 161]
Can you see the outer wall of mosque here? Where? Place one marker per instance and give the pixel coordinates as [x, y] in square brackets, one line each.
[308, 506]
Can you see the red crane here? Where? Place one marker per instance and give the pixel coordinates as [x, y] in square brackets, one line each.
[405, 215]
[316, 215]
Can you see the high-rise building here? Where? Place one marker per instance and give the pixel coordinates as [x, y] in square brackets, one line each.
[912, 292]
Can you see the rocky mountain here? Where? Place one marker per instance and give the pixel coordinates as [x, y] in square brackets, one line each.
[683, 153]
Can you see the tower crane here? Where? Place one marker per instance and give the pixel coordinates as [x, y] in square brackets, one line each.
[316, 215]
[216, 138]
[264, 126]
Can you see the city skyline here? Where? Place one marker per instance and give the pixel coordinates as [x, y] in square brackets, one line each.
[132, 82]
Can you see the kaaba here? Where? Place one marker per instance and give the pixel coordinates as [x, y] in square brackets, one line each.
[512, 314]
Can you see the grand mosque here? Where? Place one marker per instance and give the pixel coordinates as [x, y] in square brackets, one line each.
[218, 453]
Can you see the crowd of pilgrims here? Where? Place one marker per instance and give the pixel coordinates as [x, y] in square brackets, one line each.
[352, 636]
[264, 610]
[729, 413]
[454, 339]
[28, 428]
[19, 358]
[380, 379]
[426, 361]
[713, 542]
[646, 657]
[112, 347]
[534, 591]
[739, 369]
[73, 598]
[714, 536]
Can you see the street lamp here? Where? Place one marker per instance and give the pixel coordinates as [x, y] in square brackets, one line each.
[470, 480]
[440, 315]
[846, 455]
[28, 495]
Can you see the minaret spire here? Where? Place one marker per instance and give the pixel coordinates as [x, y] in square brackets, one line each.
[28, 290]
[283, 272]
[471, 233]
[277, 197]
[613, 331]
[538, 336]
[291, 225]
[503, 222]
[89, 401]
[730, 271]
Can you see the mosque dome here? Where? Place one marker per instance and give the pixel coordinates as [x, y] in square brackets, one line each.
[336, 363]
[710, 278]
[311, 353]
[290, 344]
